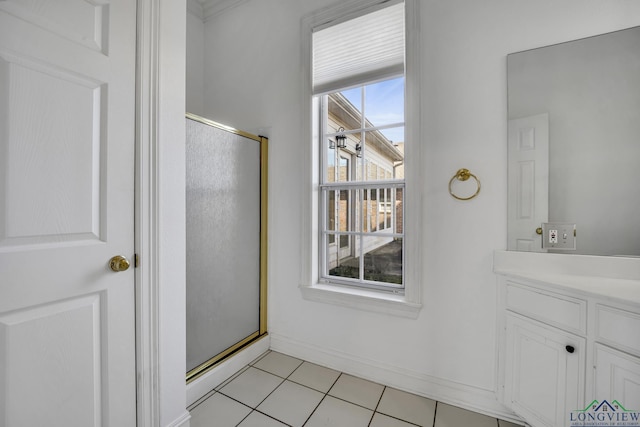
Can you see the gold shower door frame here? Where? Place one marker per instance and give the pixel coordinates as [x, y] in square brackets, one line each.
[207, 366]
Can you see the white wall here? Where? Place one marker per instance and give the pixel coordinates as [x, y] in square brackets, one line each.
[252, 66]
[195, 58]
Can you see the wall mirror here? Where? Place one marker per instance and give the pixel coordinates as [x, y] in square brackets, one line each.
[574, 143]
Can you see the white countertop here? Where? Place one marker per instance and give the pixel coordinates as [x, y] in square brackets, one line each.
[614, 278]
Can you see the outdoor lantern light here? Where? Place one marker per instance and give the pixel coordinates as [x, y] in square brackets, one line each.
[358, 150]
[341, 139]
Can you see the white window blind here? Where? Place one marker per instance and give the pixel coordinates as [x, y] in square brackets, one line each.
[359, 50]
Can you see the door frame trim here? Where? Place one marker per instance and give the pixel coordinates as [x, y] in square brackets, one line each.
[159, 214]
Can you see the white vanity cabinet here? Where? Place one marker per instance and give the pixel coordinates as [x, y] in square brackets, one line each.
[541, 374]
[544, 363]
[617, 354]
[565, 341]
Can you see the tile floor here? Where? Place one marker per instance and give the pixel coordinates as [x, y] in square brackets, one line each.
[278, 390]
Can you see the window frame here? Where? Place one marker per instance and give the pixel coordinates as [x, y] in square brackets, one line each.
[408, 304]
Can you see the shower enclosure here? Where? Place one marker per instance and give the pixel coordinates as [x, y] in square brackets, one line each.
[226, 211]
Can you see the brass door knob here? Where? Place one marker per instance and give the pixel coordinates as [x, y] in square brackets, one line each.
[119, 263]
[539, 230]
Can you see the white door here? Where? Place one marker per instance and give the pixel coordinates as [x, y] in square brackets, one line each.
[528, 178]
[67, 321]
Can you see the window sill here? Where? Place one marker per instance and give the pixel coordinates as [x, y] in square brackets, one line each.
[377, 302]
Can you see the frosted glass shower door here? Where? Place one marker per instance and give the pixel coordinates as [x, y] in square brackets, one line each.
[225, 211]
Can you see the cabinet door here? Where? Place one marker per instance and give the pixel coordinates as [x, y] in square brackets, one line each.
[617, 377]
[544, 377]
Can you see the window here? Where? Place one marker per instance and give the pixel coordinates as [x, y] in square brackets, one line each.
[361, 200]
[362, 80]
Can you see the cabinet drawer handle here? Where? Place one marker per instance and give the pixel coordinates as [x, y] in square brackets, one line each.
[570, 349]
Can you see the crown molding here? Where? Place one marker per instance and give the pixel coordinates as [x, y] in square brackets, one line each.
[213, 8]
[196, 8]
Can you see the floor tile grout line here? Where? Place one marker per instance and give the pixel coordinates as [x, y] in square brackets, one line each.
[272, 391]
[375, 411]
[245, 417]
[259, 358]
[279, 376]
[217, 388]
[323, 398]
[243, 371]
[255, 409]
[348, 401]
[399, 419]
[392, 416]
[304, 385]
[200, 401]
[236, 400]
[314, 410]
[377, 404]
[435, 414]
[297, 367]
[353, 403]
[273, 418]
[266, 415]
[256, 361]
[232, 377]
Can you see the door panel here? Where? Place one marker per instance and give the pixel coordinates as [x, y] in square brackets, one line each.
[61, 146]
[617, 376]
[80, 21]
[42, 363]
[67, 322]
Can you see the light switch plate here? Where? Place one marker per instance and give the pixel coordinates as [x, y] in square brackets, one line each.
[559, 236]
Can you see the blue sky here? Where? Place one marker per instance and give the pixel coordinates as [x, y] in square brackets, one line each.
[384, 105]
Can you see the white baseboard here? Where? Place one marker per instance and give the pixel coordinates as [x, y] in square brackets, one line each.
[182, 421]
[215, 377]
[449, 392]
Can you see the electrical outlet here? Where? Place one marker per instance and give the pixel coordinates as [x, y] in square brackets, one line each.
[559, 236]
